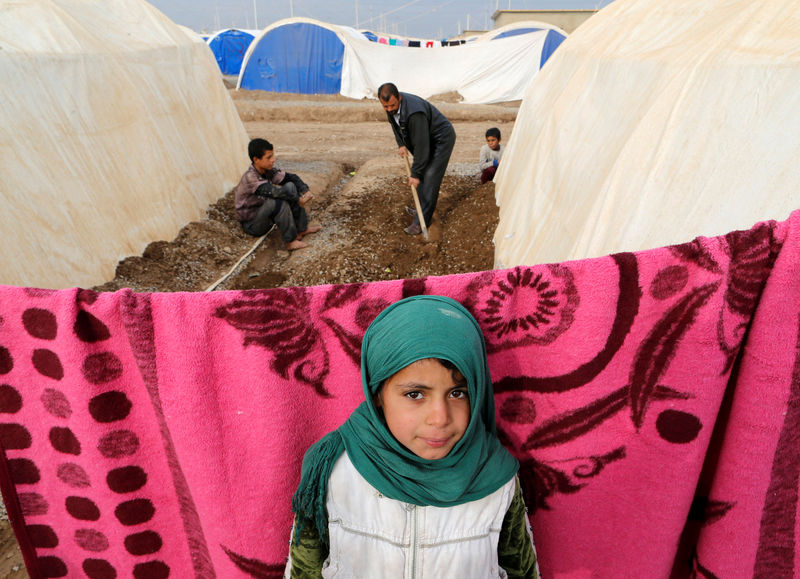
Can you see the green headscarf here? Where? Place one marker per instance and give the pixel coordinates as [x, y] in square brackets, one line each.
[413, 329]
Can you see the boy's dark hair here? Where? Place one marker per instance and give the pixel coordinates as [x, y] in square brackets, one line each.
[388, 90]
[493, 132]
[258, 147]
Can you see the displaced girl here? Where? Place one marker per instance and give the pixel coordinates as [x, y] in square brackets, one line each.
[415, 483]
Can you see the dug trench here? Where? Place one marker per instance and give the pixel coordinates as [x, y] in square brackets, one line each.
[344, 149]
[362, 217]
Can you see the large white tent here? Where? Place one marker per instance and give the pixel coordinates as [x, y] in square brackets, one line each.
[653, 123]
[301, 55]
[117, 130]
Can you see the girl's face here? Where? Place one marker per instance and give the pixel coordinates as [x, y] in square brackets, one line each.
[426, 410]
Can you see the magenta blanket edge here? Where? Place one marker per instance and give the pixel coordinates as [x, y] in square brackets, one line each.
[653, 393]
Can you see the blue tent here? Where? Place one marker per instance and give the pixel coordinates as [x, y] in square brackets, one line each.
[305, 56]
[298, 57]
[229, 47]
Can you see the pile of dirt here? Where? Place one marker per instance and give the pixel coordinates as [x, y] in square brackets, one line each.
[362, 217]
[362, 240]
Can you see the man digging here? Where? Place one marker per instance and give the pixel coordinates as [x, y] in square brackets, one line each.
[420, 129]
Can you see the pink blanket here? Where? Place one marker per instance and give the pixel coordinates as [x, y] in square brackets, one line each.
[652, 398]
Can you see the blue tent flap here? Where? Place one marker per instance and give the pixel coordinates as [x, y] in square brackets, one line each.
[296, 58]
[515, 32]
[229, 48]
[553, 41]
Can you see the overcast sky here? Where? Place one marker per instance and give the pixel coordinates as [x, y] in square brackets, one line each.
[416, 18]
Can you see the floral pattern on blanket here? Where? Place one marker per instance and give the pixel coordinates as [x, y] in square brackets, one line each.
[132, 423]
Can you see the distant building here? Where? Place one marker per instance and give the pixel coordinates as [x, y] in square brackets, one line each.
[567, 20]
[468, 34]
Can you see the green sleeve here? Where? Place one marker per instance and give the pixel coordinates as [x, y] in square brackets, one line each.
[515, 551]
[307, 554]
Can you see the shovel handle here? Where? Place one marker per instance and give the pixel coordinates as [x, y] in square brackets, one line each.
[416, 200]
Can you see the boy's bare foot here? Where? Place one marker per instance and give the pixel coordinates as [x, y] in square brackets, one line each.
[296, 244]
[309, 231]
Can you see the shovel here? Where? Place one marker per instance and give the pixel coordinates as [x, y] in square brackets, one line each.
[416, 201]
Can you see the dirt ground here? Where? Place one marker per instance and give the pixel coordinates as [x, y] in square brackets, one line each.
[345, 151]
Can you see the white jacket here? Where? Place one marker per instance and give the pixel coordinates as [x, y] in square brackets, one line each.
[372, 536]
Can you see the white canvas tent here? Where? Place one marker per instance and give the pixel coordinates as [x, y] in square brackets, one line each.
[653, 123]
[301, 55]
[117, 130]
